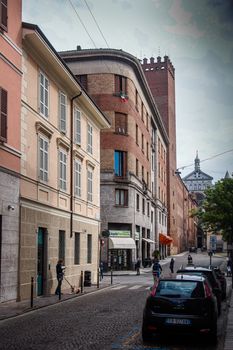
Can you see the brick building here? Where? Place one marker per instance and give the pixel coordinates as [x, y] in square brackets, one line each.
[160, 75]
[133, 154]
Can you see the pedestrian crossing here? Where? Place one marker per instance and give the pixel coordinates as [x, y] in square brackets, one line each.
[131, 287]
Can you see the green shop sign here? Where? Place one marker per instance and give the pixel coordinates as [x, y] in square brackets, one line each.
[119, 233]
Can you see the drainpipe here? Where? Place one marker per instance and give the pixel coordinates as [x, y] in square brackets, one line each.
[72, 162]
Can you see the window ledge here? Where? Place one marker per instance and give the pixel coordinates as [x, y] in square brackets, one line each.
[40, 127]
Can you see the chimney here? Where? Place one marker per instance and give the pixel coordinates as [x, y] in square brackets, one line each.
[79, 48]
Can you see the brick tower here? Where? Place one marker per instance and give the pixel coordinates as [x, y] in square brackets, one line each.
[161, 79]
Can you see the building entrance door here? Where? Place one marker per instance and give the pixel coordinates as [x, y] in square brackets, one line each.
[40, 261]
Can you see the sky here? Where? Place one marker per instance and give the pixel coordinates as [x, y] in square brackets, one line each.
[197, 35]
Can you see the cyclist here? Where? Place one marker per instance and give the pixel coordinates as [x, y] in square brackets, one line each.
[156, 270]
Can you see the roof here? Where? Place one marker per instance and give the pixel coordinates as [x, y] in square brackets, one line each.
[203, 176]
[180, 276]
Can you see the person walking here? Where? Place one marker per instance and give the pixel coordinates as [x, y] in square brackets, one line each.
[229, 267]
[60, 273]
[156, 270]
[101, 270]
[172, 262]
[190, 259]
[137, 267]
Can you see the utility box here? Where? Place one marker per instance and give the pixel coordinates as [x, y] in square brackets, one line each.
[87, 279]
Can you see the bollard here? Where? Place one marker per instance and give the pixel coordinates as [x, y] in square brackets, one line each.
[32, 285]
[98, 278]
[81, 281]
[111, 276]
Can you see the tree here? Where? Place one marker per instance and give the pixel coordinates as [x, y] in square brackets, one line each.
[216, 212]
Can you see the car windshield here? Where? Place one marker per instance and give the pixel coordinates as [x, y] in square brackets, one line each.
[180, 289]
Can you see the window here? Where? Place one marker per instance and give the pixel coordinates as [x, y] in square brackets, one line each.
[77, 248]
[43, 158]
[3, 115]
[153, 161]
[77, 121]
[89, 185]
[143, 205]
[44, 95]
[142, 143]
[3, 14]
[147, 121]
[152, 217]
[142, 111]
[136, 167]
[142, 172]
[120, 159]
[77, 176]
[62, 172]
[121, 197]
[136, 100]
[82, 80]
[89, 138]
[147, 178]
[61, 246]
[137, 202]
[136, 134]
[62, 111]
[147, 150]
[120, 85]
[121, 123]
[89, 249]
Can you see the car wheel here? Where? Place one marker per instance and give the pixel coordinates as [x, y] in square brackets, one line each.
[213, 334]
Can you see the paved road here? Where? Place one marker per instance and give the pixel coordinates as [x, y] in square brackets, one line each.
[108, 319]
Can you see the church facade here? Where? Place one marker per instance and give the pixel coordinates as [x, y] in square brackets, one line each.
[198, 181]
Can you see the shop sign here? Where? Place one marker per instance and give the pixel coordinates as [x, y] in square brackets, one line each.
[119, 233]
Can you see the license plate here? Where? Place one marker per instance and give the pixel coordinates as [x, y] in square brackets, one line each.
[181, 321]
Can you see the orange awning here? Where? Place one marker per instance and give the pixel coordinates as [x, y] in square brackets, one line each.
[164, 239]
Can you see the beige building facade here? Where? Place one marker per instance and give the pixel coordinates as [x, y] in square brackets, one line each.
[60, 167]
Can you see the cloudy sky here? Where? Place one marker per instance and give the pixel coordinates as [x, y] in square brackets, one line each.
[197, 35]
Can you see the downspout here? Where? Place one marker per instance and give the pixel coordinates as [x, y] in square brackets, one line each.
[72, 162]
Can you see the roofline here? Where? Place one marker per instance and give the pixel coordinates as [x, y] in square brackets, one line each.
[200, 171]
[120, 55]
[36, 28]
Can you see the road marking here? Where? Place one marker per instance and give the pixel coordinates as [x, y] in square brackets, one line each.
[119, 287]
[136, 287]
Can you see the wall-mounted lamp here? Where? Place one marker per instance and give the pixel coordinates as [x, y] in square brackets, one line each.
[11, 207]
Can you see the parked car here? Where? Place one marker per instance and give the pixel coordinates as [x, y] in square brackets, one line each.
[193, 249]
[222, 279]
[185, 304]
[210, 274]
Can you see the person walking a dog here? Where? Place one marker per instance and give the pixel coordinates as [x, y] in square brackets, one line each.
[60, 273]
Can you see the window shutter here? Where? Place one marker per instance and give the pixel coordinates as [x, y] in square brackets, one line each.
[3, 116]
[124, 90]
[117, 83]
[3, 14]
